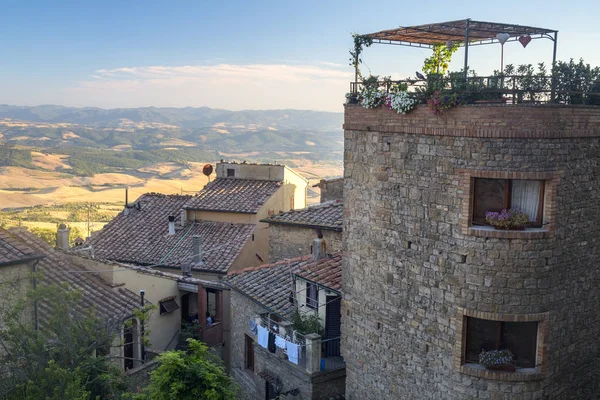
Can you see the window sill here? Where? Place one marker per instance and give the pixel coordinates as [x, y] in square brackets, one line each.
[490, 232]
[520, 375]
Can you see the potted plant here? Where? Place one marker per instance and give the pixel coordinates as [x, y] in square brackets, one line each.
[511, 219]
[499, 360]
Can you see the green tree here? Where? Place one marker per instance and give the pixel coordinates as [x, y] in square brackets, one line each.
[46, 234]
[439, 61]
[67, 357]
[195, 375]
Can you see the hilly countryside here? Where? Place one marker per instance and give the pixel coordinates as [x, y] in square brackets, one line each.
[63, 164]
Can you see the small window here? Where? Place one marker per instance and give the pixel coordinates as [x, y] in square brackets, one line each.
[519, 337]
[312, 295]
[498, 194]
[211, 304]
[230, 172]
[249, 353]
[168, 305]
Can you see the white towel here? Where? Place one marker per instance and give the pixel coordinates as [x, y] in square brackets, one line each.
[263, 337]
[292, 352]
[279, 342]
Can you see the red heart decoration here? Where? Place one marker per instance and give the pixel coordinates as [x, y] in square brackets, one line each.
[524, 40]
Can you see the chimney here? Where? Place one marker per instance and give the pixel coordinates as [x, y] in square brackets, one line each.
[183, 217]
[62, 237]
[171, 225]
[319, 247]
[197, 249]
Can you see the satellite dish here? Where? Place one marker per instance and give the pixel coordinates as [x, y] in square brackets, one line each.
[207, 169]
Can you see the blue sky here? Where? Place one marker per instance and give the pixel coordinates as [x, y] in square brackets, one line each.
[243, 54]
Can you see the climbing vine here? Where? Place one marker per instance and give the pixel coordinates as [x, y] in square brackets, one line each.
[439, 61]
[360, 42]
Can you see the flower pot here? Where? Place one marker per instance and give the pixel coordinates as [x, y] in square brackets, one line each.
[501, 367]
[509, 228]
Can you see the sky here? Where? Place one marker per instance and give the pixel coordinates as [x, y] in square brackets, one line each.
[245, 54]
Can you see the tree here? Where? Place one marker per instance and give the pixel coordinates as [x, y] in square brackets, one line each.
[67, 357]
[195, 375]
[439, 61]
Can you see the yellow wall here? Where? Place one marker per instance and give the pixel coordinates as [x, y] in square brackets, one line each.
[218, 216]
[162, 327]
[300, 187]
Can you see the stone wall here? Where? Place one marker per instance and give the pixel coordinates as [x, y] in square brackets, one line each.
[319, 386]
[287, 241]
[331, 189]
[412, 273]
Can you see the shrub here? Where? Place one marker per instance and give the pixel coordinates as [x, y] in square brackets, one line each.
[495, 357]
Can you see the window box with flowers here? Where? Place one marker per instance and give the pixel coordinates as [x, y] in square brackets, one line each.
[513, 205]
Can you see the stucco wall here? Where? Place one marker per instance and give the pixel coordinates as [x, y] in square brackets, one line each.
[301, 298]
[293, 241]
[409, 268]
[162, 327]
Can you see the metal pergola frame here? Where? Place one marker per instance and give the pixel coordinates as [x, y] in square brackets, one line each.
[466, 32]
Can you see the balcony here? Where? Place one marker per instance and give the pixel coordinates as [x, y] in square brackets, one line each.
[213, 335]
[522, 101]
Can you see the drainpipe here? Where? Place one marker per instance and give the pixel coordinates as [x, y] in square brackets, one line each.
[35, 303]
[142, 349]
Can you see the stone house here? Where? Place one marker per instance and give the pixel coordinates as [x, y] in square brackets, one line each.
[291, 232]
[427, 284]
[264, 298]
[19, 247]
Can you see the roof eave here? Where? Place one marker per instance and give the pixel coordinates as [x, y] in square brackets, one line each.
[311, 226]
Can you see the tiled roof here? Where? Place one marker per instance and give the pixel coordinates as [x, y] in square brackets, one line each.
[142, 236]
[270, 284]
[233, 195]
[326, 271]
[327, 216]
[57, 269]
[12, 250]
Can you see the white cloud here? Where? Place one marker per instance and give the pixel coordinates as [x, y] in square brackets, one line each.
[234, 87]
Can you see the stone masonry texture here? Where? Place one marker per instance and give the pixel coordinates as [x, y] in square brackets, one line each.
[319, 386]
[411, 271]
[291, 241]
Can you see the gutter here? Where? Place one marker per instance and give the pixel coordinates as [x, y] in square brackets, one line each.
[325, 228]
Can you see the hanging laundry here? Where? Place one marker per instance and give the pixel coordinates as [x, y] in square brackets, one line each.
[272, 347]
[263, 336]
[292, 352]
[279, 342]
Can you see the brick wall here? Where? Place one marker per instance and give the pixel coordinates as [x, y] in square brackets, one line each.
[411, 270]
[291, 241]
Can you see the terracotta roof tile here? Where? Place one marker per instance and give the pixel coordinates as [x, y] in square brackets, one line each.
[233, 195]
[327, 216]
[58, 269]
[326, 271]
[269, 284]
[12, 250]
[142, 236]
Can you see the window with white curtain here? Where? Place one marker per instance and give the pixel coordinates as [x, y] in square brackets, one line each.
[498, 194]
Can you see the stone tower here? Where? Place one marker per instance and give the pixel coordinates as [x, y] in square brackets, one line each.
[428, 285]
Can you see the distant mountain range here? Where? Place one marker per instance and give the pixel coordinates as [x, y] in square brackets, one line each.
[99, 140]
[189, 117]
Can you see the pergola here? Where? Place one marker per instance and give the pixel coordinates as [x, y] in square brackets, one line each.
[466, 32]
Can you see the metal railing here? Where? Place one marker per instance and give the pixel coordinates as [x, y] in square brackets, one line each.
[512, 89]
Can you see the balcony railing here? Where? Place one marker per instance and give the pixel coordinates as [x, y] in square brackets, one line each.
[512, 89]
[213, 334]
